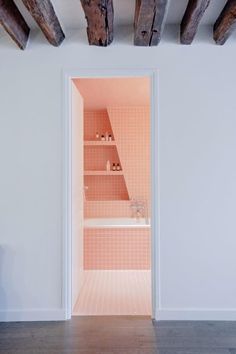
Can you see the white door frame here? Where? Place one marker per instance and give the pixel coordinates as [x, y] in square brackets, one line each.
[68, 75]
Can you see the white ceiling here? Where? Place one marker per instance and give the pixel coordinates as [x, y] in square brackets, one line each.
[71, 15]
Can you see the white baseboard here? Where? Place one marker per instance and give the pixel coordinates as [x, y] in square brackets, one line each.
[196, 315]
[32, 315]
[161, 315]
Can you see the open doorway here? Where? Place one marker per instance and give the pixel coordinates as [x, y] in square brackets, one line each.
[111, 196]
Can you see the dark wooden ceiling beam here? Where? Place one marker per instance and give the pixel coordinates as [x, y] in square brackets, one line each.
[14, 23]
[191, 19]
[43, 13]
[149, 21]
[226, 23]
[100, 18]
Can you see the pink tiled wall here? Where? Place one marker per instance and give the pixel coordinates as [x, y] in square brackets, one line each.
[107, 196]
[107, 209]
[130, 127]
[117, 248]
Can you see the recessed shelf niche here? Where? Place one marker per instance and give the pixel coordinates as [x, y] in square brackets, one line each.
[96, 157]
[106, 188]
[100, 183]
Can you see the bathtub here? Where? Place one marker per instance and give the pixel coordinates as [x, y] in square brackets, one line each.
[116, 223]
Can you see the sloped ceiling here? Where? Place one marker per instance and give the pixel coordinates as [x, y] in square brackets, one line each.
[102, 93]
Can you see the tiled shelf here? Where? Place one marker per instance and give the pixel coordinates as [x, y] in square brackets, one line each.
[103, 173]
[99, 143]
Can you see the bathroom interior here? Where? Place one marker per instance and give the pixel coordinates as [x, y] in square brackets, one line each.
[111, 245]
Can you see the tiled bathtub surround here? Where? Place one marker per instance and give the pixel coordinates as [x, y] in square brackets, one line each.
[117, 248]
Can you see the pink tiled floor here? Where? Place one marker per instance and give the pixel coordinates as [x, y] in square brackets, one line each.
[115, 292]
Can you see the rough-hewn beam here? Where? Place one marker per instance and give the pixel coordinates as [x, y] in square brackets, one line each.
[100, 17]
[226, 23]
[149, 21]
[14, 23]
[192, 17]
[43, 13]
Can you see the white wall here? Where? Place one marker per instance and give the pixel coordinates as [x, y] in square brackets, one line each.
[197, 149]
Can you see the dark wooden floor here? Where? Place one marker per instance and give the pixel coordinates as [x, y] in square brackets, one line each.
[118, 335]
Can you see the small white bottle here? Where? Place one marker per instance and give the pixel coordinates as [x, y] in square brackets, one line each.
[106, 136]
[108, 165]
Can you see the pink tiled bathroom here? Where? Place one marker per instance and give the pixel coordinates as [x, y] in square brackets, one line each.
[112, 250]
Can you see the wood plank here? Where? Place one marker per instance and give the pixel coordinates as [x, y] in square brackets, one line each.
[149, 21]
[191, 19]
[100, 18]
[46, 18]
[118, 335]
[226, 23]
[14, 23]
